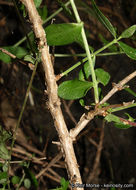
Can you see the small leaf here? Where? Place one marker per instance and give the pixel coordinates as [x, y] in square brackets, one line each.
[129, 117]
[37, 3]
[62, 34]
[129, 51]
[3, 177]
[122, 126]
[22, 8]
[29, 58]
[74, 89]
[117, 121]
[31, 176]
[5, 167]
[4, 153]
[103, 19]
[130, 91]
[64, 184]
[4, 135]
[112, 117]
[82, 102]
[128, 32]
[102, 76]
[86, 71]
[19, 52]
[15, 180]
[27, 183]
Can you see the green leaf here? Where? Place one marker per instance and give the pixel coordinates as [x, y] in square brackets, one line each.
[19, 52]
[29, 58]
[64, 184]
[86, 71]
[129, 51]
[112, 117]
[130, 118]
[4, 153]
[103, 19]
[27, 183]
[128, 32]
[4, 135]
[74, 89]
[3, 177]
[37, 3]
[22, 8]
[122, 126]
[117, 122]
[43, 12]
[5, 167]
[82, 102]
[130, 91]
[102, 76]
[31, 177]
[62, 34]
[15, 180]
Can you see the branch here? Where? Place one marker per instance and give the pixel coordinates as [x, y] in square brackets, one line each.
[54, 102]
[85, 119]
[30, 65]
[118, 87]
[8, 53]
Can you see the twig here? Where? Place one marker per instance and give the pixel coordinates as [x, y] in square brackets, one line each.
[54, 102]
[95, 171]
[30, 65]
[29, 156]
[3, 2]
[52, 177]
[8, 53]
[59, 166]
[118, 87]
[70, 103]
[53, 161]
[23, 158]
[23, 106]
[93, 142]
[31, 148]
[20, 117]
[54, 173]
[85, 119]
[69, 113]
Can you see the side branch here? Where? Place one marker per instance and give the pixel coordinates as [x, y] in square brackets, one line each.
[118, 87]
[85, 119]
